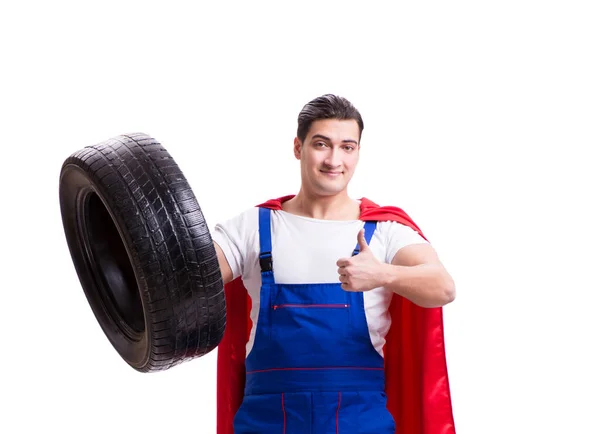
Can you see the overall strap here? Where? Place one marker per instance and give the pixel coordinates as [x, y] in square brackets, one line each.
[369, 230]
[265, 258]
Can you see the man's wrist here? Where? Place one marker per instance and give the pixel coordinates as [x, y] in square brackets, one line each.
[388, 274]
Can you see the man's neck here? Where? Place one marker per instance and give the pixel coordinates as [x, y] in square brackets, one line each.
[336, 207]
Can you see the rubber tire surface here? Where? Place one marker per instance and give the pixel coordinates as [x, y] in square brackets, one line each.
[142, 251]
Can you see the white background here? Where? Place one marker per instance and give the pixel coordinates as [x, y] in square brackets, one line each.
[481, 122]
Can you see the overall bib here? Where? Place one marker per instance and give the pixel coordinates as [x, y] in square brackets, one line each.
[312, 368]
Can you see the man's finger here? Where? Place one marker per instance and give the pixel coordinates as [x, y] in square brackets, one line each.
[362, 242]
[343, 262]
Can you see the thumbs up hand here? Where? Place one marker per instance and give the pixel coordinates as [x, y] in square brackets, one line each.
[361, 272]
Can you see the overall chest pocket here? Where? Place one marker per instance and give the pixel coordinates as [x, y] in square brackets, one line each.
[310, 318]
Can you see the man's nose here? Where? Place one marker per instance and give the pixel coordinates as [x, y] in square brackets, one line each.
[333, 158]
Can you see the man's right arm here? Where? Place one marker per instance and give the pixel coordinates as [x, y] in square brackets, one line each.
[235, 243]
[226, 272]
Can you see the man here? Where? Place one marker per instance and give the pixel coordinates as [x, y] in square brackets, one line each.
[321, 271]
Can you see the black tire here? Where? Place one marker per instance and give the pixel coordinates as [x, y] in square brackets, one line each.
[142, 251]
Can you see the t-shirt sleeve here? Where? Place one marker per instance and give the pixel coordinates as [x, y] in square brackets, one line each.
[236, 237]
[399, 236]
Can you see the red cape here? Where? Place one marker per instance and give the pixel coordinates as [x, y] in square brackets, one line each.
[417, 383]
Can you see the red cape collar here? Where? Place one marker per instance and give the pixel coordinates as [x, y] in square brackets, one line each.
[369, 210]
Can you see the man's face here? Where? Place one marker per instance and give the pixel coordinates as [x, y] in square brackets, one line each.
[328, 155]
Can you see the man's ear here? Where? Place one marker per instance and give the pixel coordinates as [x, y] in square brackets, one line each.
[297, 148]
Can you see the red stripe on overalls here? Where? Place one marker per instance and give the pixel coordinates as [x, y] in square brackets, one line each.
[363, 368]
[283, 409]
[337, 414]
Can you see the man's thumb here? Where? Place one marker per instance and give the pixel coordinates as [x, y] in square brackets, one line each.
[362, 242]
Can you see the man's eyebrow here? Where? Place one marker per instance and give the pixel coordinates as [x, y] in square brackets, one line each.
[321, 136]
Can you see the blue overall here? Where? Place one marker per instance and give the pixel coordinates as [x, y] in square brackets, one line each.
[312, 368]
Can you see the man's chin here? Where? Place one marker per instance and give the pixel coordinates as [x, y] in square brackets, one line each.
[331, 190]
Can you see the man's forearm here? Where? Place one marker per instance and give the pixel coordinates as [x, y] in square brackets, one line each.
[427, 285]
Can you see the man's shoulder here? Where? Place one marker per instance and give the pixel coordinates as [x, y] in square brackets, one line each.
[243, 218]
[386, 213]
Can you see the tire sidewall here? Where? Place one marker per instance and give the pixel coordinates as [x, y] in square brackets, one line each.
[76, 185]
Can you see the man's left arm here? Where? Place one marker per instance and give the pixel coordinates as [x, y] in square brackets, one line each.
[417, 274]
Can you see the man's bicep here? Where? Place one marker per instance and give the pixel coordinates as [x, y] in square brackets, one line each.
[224, 266]
[416, 254]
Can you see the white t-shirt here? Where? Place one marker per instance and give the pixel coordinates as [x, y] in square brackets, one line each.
[305, 250]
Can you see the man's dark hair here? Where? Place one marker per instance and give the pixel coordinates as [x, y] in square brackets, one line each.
[327, 107]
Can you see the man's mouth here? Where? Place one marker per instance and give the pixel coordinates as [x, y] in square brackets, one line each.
[331, 173]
